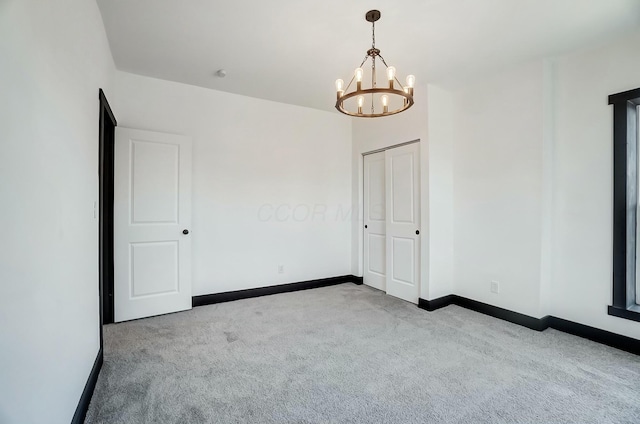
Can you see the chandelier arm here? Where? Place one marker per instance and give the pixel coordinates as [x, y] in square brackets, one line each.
[349, 85]
[385, 64]
[395, 77]
[353, 77]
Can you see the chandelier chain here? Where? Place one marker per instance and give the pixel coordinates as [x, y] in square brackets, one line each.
[373, 35]
[373, 63]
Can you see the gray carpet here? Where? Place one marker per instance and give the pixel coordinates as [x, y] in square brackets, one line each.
[351, 354]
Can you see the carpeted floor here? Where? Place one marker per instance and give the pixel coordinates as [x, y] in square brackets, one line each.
[351, 354]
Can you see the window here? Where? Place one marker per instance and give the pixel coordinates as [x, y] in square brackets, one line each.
[637, 139]
[626, 211]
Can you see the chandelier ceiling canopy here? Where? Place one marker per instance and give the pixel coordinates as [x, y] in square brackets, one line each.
[375, 101]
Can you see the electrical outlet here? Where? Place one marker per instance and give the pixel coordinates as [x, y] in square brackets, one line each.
[495, 287]
[280, 269]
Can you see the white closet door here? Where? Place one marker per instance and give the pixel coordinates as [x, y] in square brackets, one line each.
[403, 221]
[152, 217]
[374, 221]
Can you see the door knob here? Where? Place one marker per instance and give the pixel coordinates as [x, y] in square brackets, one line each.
[185, 232]
[417, 231]
[365, 226]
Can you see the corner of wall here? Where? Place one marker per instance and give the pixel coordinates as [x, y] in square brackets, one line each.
[548, 142]
[439, 160]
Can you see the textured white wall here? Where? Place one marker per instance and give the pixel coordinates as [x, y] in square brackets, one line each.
[497, 183]
[582, 211]
[271, 182]
[53, 58]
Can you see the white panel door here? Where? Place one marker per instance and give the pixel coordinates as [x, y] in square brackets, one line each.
[152, 213]
[403, 221]
[374, 221]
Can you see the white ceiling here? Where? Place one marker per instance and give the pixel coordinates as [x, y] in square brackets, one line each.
[292, 51]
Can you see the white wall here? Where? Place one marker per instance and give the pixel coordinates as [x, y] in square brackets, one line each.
[582, 212]
[441, 189]
[435, 182]
[53, 58]
[498, 128]
[271, 182]
[533, 185]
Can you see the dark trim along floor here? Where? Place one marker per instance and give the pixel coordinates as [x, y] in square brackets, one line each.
[85, 398]
[209, 299]
[608, 338]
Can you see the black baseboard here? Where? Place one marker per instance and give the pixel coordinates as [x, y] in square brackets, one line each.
[432, 305]
[209, 299]
[85, 398]
[537, 324]
[608, 338]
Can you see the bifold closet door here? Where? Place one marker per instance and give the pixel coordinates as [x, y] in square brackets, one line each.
[375, 260]
[152, 219]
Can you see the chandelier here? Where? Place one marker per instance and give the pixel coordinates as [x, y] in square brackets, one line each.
[383, 101]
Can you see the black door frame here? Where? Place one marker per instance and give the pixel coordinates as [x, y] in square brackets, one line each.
[106, 162]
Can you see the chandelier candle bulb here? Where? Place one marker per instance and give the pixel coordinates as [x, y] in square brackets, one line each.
[391, 75]
[360, 104]
[411, 80]
[385, 103]
[339, 88]
[389, 94]
[358, 74]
